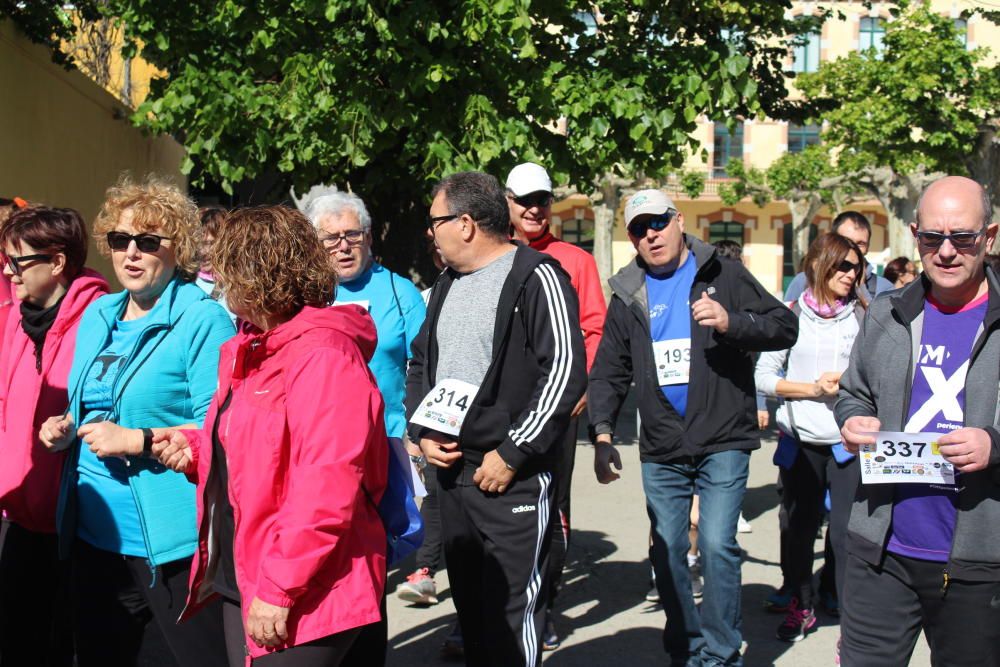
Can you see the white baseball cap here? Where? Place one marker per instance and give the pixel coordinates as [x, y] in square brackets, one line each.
[643, 202]
[528, 177]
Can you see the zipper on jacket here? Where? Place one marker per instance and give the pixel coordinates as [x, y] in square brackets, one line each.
[944, 586]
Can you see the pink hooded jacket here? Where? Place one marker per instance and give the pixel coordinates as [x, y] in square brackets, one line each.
[303, 432]
[29, 476]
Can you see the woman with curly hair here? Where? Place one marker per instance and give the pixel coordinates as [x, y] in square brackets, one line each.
[146, 358]
[295, 447]
[45, 250]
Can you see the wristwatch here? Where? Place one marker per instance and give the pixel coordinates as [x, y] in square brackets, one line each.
[147, 442]
[419, 462]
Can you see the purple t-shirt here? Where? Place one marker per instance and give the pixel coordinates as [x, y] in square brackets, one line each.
[923, 515]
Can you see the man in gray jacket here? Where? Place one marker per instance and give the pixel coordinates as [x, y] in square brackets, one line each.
[927, 360]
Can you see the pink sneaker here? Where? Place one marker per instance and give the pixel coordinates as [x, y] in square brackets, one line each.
[797, 624]
[419, 588]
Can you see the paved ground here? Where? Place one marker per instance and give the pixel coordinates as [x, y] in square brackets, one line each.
[605, 619]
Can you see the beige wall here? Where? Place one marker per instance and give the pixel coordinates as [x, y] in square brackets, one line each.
[66, 139]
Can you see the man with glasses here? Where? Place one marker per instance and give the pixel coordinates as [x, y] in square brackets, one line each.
[529, 196]
[927, 360]
[394, 303]
[682, 325]
[497, 369]
[854, 226]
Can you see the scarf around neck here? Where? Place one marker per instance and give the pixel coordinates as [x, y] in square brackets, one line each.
[36, 322]
[825, 311]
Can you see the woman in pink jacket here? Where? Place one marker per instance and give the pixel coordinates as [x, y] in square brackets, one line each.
[45, 250]
[292, 460]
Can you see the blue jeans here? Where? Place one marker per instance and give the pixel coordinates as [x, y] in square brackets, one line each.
[714, 636]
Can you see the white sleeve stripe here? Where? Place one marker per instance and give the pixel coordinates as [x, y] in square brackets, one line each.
[562, 360]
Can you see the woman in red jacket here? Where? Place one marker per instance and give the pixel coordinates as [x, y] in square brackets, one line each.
[44, 253]
[292, 460]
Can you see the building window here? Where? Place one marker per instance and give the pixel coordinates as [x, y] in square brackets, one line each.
[727, 146]
[807, 54]
[788, 268]
[962, 28]
[872, 34]
[801, 136]
[578, 231]
[725, 231]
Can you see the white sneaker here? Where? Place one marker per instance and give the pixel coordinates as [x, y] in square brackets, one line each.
[743, 526]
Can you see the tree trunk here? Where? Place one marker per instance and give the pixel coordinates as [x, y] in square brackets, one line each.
[983, 162]
[803, 207]
[899, 194]
[609, 192]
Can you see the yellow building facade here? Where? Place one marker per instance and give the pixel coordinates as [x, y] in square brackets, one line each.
[764, 232]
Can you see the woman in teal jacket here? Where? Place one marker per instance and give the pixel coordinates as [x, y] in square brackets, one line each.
[146, 358]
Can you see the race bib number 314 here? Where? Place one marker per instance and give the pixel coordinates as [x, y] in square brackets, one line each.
[445, 406]
[905, 457]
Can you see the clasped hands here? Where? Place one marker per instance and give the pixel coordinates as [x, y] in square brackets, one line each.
[492, 476]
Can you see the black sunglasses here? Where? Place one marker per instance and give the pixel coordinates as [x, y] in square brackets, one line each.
[433, 223]
[144, 242]
[848, 267]
[14, 263]
[960, 240]
[657, 223]
[533, 199]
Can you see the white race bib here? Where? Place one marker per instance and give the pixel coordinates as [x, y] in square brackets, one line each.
[445, 407]
[364, 303]
[673, 360]
[904, 457]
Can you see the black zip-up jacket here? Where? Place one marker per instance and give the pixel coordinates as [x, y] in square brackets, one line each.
[721, 406]
[537, 375]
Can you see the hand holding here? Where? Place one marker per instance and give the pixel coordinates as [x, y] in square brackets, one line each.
[172, 449]
[829, 383]
[57, 433]
[441, 450]
[107, 439]
[493, 476]
[968, 449]
[856, 432]
[763, 419]
[267, 624]
[709, 313]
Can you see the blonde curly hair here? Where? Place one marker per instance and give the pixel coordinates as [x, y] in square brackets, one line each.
[270, 262]
[157, 207]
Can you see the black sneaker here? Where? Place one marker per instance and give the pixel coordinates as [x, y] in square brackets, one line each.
[550, 638]
[697, 585]
[797, 624]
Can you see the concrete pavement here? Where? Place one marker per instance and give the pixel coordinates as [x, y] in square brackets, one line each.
[603, 616]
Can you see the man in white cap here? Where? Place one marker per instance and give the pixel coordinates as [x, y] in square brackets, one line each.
[529, 197]
[682, 325]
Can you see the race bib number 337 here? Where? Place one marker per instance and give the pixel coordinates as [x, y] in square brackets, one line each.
[905, 457]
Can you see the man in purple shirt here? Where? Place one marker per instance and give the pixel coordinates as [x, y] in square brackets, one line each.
[927, 360]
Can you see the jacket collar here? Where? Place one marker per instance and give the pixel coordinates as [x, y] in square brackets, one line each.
[176, 297]
[908, 301]
[630, 282]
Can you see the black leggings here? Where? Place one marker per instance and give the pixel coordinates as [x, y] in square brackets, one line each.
[34, 601]
[123, 612]
[326, 652]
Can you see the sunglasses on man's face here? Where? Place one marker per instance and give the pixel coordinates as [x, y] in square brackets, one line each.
[959, 240]
[533, 199]
[657, 223]
[145, 242]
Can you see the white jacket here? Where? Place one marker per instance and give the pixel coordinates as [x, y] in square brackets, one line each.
[824, 345]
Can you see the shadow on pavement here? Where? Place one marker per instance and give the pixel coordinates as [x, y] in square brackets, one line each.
[759, 627]
[635, 646]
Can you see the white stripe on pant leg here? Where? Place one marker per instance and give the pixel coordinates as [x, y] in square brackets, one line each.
[528, 635]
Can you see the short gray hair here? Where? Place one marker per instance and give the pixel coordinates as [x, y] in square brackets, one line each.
[336, 204]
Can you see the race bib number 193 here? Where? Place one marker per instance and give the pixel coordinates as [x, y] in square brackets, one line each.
[905, 457]
[673, 360]
[445, 406]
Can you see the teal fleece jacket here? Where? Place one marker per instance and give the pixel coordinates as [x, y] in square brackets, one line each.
[168, 380]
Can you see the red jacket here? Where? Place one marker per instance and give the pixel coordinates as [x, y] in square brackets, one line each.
[29, 475]
[582, 270]
[302, 433]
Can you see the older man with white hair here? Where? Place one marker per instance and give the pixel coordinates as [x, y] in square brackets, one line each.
[345, 228]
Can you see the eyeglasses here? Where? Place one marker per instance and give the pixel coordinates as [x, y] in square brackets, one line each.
[657, 223]
[848, 267]
[959, 240]
[532, 199]
[437, 221]
[14, 263]
[145, 242]
[353, 237]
